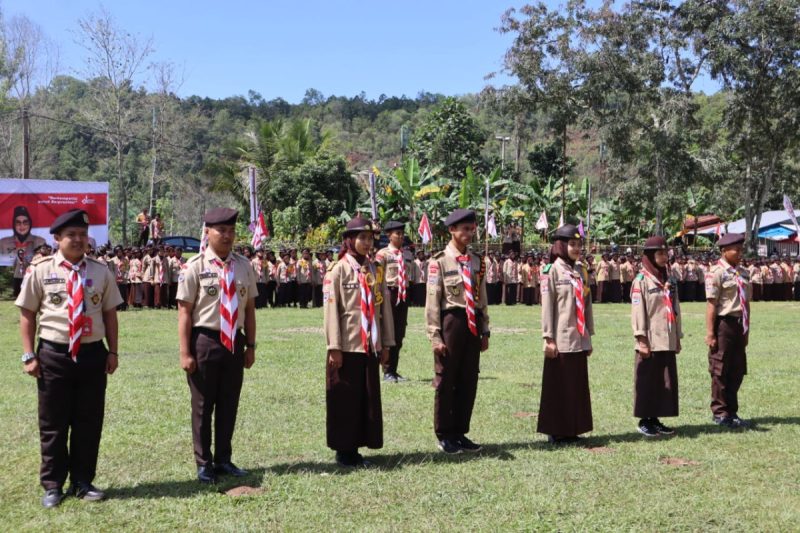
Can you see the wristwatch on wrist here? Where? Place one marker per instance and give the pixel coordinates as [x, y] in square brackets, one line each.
[27, 356]
[248, 346]
[487, 334]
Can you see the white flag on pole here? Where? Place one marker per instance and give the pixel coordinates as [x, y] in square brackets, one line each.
[425, 229]
[787, 204]
[561, 219]
[491, 227]
[542, 224]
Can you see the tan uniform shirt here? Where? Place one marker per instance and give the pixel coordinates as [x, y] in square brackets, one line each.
[613, 270]
[176, 266]
[510, 271]
[796, 270]
[492, 271]
[626, 272]
[446, 291]
[20, 266]
[198, 285]
[559, 320]
[120, 268]
[341, 295]
[260, 269]
[318, 271]
[723, 291]
[303, 271]
[649, 314]
[529, 276]
[44, 290]
[603, 270]
[389, 259]
[755, 274]
[677, 271]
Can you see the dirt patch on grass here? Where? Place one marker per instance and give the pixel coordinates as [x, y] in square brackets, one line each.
[677, 461]
[244, 490]
[524, 414]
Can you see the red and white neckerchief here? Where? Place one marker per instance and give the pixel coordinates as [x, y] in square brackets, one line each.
[162, 273]
[75, 304]
[402, 286]
[742, 293]
[466, 276]
[369, 327]
[228, 303]
[577, 288]
[670, 311]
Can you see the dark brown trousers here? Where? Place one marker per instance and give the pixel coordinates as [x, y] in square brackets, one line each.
[400, 319]
[602, 292]
[317, 296]
[615, 291]
[565, 409]
[172, 295]
[71, 406]
[354, 416]
[727, 365]
[758, 291]
[626, 292]
[511, 293]
[215, 385]
[655, 381]
[456, 377]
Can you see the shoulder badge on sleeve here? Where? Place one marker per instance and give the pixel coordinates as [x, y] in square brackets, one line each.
[640, 276]
[547, 268]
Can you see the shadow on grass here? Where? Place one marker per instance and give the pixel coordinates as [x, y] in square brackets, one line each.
[397, 461]
[186, 488]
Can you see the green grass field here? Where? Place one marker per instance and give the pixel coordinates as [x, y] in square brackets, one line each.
[733, 480]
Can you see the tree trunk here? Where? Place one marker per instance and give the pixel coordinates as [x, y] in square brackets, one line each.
[748, 210]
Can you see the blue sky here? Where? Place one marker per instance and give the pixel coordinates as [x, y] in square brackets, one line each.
[280, 49]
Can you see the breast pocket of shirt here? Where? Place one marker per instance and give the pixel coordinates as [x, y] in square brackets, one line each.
[453, 286]
[209, 290]
[55, 296]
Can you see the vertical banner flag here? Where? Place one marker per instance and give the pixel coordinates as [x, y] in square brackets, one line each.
[561, 219]
[373, 199]
[203, 239]
[581, 231]
[425, 229]
[787, 204]
[253, 196]
[491, 227]
[542, 224]
[28, 207]
[260, 231]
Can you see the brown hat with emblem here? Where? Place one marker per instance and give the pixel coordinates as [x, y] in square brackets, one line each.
[729, 239]
[655, 242]
[358, 224]
[75, 218]
[220, 216]
[461, 215]
[566, 232]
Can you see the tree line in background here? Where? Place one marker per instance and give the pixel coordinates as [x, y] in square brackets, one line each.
[604, 110]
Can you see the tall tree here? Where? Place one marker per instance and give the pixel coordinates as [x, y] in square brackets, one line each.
[115, 59]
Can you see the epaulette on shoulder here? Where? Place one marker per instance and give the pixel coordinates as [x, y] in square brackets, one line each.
[547, 268]
[640, 276]
[333, 264]
[194, 258]
[41, 260]
[93, 260]
[438, 255]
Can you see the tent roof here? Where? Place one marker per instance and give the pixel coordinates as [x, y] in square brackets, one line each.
[768, 218]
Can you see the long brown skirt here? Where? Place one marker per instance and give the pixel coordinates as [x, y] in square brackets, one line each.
[353, 398]
[565, 409]
[655, 385]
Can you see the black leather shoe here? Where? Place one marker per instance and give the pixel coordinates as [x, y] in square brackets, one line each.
[205, 474]
[87, 491]
[349, 459]
[467, 445]
[230, 469]
[449, 447]
[52, 498]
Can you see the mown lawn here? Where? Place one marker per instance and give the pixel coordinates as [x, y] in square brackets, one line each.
[733, 480]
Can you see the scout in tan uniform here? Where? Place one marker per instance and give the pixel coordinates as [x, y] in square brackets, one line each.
[656, 323]
[457, 320]
[727, 330]
[135, 273]
[421, 271]
[796, 278]
[565, 410]
[119, 266]
[626, 275]
[304, 274]
[216, 299]
[20, 266]
[76, 301]
[358, 329]
[530, 281]
[603, 273]
[399, 281]
[511, 278]
[319, 269]
[262, 276]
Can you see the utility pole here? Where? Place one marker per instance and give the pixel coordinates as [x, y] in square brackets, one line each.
[503, 140]
[26, 144]
[153, 175]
